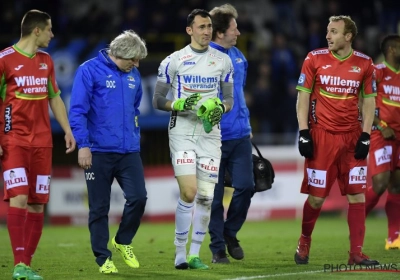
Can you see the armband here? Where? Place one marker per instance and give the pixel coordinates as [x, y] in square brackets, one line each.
[223, 108]
[382, 125]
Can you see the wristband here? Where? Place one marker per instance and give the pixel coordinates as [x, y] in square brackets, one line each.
[382, 125]
[223, 108]
[172, 105]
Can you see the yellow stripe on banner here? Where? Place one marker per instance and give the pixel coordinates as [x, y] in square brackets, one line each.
[29, 96]
[335, 96]
[390, 102]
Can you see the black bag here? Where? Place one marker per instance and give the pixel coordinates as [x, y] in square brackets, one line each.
[263, 172]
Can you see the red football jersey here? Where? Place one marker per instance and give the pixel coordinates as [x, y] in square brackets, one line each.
[335, 84]
[388, 98]
[27, 83]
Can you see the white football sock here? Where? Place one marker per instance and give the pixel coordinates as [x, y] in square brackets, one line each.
[201, 219]
[183, 220]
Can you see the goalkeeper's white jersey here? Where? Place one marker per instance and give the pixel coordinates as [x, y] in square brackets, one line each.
[191, 72]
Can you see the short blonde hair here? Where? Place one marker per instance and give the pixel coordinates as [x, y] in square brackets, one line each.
[349, 25]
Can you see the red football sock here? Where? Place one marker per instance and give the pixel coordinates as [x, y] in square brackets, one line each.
[310, 216]
[392, 208]
[371, 199]
[15, 224]
[356, 222]
[33, 232]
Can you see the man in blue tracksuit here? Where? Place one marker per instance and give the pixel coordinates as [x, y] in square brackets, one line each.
[236, 146]
[105, 101]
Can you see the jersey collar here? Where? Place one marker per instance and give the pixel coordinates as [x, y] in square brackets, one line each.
[391, 67]
[342, 58]
[103, 56]
[218, 47]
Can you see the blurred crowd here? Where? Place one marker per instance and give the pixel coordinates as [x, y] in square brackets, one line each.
[278, 33]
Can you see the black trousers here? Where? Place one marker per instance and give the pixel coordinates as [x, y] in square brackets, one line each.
[127, 169]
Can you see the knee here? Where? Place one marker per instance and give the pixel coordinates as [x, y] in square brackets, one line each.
[379, 187]
[205, 201]
[97, 211]
[380, 182]
[138, 201]
[395, 188]
[316, 202]
[188, 195]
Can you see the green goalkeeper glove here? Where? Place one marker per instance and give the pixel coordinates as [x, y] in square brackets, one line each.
[188, 103]
[210, 112]
[215, 115]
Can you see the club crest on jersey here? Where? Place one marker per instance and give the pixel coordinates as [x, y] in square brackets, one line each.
[355, 69]
[43, 66]
[239, 60]
[215, 56]
[131, 79]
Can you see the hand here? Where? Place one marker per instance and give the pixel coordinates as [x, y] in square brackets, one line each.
[306, 147]
[215, 115]
[188, 103]
[69, 143]
[388, 133]
[362, 146]
[85, 158]
[208, 106]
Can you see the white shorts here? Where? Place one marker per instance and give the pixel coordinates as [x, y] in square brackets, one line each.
[196, 155]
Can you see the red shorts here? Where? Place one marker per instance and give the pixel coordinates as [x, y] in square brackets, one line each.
[27, 170]
[383, 155]
[334, 160]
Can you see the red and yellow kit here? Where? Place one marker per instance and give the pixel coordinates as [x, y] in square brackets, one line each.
[335, 85]
[388, 98]
[384, 154]
[27, 82]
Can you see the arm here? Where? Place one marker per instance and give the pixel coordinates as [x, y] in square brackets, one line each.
[306, 147]
[386, 131]
[302, 108]
[60, 113]
[79, 108]
[160, 100]
[227, 95]
[138, 99]
[368, 113]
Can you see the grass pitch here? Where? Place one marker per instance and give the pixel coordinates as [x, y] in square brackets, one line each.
[269, 246]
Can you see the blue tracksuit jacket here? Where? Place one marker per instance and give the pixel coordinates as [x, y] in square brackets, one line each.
[104, 106]
[236, 123]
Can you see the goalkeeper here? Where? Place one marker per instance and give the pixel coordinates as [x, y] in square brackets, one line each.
[194, 75]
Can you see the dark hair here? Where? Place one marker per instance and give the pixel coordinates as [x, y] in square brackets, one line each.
[33, 19]
[389, 41]
[194, 13]
[221, 18]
